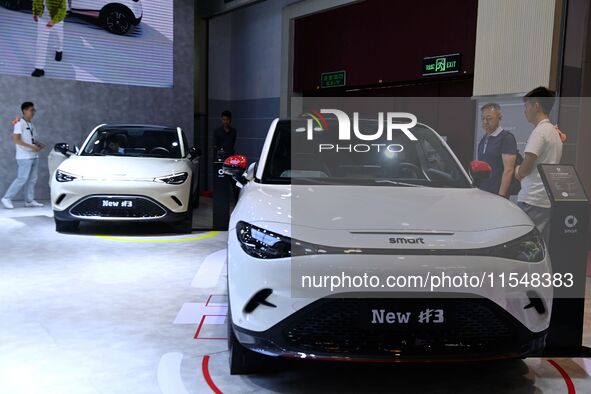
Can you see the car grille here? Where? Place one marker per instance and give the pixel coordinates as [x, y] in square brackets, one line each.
[342, 326]
[143, 208]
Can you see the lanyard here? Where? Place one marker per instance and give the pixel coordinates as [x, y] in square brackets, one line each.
[30, 128]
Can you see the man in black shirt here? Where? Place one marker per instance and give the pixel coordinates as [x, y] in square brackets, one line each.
[224, 137]
[499, 149]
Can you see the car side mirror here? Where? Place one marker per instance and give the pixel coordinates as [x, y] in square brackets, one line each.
[249, 174]
[194, 152]
[235, 166]
[63, 148]
[480, 171]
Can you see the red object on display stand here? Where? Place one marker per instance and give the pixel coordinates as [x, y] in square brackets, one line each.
[239, 161]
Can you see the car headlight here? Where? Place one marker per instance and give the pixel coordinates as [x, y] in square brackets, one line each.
[529, 248]
[175, 179]
[264, 244]
[62, 176]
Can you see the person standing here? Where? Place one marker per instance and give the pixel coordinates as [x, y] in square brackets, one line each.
[27, 159]
[49, 16]
[498, 148]
[224, 139]
[544, 146]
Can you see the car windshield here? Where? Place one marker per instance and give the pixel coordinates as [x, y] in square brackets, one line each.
[426, 162]
[134, 142]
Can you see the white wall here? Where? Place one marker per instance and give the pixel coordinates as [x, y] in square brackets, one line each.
[513, 46]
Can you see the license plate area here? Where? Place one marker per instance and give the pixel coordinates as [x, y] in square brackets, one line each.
[116, 203]
[403, 316]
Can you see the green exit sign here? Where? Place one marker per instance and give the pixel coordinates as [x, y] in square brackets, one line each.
[333, 79]
[444, 64]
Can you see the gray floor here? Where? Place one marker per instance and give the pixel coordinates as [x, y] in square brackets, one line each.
[107, 311]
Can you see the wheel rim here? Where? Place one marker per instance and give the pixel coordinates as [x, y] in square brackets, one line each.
[118, 22]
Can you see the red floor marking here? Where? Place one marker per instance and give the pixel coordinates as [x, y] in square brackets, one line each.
[207, 376]
[211, 296]
[196, 336]
[569, 383]
[201, 325]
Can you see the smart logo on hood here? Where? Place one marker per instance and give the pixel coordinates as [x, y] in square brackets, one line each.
[405, 241]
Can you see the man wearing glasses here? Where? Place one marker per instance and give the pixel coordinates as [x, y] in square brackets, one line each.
[27, 159]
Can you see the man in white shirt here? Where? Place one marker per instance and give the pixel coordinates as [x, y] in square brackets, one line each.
[544, 146]
[27, 159]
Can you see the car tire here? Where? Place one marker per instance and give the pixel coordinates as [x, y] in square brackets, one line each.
[66, 226]
[117, 19]
[244, 361]
[185, 226]
[11, 4]
[196, 200]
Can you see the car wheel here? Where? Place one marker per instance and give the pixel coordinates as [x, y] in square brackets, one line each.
[117, 20]
[242, 360]
[11, 4]
[185, 226]
[196, 200]
[66, 226]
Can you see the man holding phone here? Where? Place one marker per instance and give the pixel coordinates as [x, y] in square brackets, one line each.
[27, 159]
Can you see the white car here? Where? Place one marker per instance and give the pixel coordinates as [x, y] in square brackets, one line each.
[131, 173]
[411, 213]
[117, 17]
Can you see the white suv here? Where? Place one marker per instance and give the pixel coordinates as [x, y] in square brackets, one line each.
[411, 214]
[135, 173]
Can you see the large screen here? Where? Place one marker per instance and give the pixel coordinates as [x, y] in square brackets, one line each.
[110, 41]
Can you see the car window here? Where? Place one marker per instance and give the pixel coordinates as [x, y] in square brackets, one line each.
[135, 142]
[292, 158]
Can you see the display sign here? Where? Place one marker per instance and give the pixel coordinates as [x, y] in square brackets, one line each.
[444, 64]
[563, 182]
[333, 79]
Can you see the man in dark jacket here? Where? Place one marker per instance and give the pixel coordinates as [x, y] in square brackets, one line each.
[224, 139]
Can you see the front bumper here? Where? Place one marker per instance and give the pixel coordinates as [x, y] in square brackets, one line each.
[173, 198]
[333, 329]
[145, 209]
[247, 276]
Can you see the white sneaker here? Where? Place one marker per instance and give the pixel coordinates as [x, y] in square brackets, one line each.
[33, 204]
[7, 203]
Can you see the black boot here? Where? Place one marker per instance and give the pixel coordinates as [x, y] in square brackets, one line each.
[58, 56]
[38, 73]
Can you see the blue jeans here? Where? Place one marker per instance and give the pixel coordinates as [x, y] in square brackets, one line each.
[26, 176]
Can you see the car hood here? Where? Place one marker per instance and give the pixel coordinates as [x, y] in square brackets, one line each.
[378, 208]
[124, 168]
